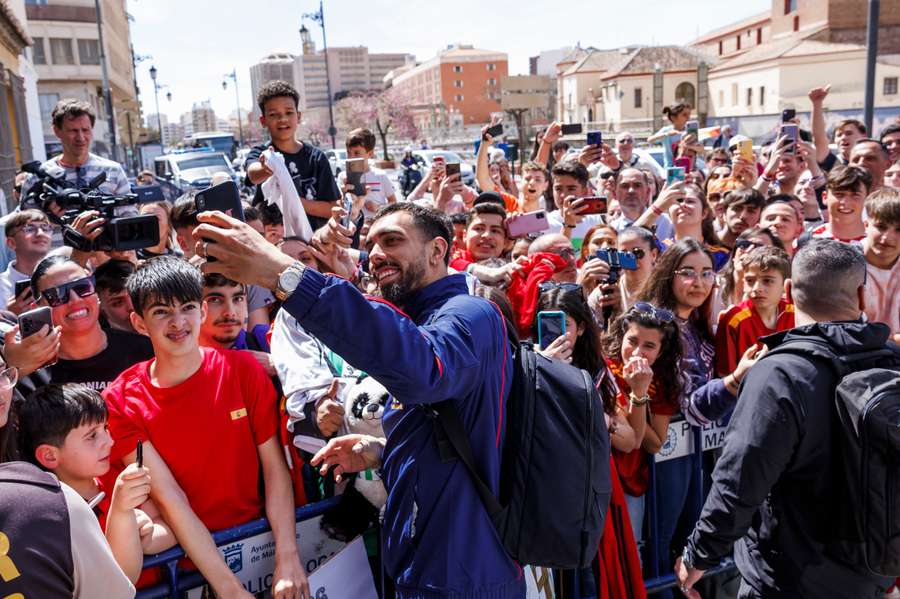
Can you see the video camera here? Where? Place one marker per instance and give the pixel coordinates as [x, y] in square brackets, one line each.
[62, 203]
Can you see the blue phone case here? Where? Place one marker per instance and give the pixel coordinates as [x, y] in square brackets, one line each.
[551, 324]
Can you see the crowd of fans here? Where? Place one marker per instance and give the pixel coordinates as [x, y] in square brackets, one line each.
[168, 388]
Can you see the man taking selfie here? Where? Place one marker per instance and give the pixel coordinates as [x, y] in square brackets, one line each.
[450, 346]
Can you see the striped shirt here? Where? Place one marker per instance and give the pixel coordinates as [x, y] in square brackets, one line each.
[116, 179]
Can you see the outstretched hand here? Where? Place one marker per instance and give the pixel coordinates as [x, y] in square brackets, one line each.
[349, 453]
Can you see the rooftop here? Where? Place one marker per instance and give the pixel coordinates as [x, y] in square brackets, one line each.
[731, 28]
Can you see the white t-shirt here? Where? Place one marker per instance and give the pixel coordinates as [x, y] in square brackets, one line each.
[378, 188]
[556, 223]
[8, 280]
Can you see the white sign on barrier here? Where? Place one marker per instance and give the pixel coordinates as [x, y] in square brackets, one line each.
[538, 582]
[680, 439]
[347, 574]
[253, 559]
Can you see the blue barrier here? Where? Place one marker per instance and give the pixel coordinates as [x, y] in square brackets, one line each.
[180, 581]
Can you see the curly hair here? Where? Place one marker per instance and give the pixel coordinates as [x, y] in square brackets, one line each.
[276, 89]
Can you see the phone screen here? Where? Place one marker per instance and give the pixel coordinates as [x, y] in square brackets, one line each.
[594, 138]
[452, 168]
[673, 174]
[551, 324]
[495, 130]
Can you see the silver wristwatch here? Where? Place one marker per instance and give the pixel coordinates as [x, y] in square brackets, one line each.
[288, 280]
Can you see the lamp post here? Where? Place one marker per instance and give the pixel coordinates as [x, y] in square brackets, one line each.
[107, 92]
[233, 76]
[156, 88]
[319, 17]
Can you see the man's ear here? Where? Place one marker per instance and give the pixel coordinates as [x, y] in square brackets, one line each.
[138, 323]
[787, 291]
[204, 311]
[11, 243]
[439, 249]
[47, 456]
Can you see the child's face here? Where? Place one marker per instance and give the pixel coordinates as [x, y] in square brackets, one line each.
[565, 186]
[174, 330]
[274, 233]
[85, 452]
[360, 152]
[846, 205]
[535, 184]
[641, 342]
[281, 118]
[883, 240]
[763, 287]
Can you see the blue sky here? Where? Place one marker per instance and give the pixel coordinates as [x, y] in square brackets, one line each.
[195, 42]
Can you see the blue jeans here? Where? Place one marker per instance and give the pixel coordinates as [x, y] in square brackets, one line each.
[636, 515]
[673, 481]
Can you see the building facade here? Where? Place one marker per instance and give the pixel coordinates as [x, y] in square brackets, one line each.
[66, 55]
[203, 117]
[459, 86]
[15, 137]
[274, 67]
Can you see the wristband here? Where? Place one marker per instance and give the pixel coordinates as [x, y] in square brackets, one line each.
[656, 210]
[767, 179]
[570, 226]
[638, 401]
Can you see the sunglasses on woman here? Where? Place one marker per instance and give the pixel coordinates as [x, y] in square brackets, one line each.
[550, 285]
[743, 244]
[59, 295]
[660, 314]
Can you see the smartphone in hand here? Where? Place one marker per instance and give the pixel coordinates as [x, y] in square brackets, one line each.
[33, 321]
[594, 138]
[355, 169]
[571, 129]
[525, 224]
[551, 324]
[495, 131]
[452, 168]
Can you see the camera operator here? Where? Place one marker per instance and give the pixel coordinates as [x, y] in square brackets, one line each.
[73, 124]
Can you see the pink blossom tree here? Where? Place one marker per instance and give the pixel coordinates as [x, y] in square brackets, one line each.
[389, 111]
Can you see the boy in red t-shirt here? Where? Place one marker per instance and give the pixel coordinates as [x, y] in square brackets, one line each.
[209, 421]
[763, 312]
[63, 430]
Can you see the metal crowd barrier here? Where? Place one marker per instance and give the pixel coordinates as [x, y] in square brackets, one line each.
[682, 444]
[179, 581]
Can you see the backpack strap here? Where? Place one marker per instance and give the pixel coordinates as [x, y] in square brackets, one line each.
[456, 440]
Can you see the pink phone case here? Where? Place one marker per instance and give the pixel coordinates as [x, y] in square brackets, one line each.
[531, 222]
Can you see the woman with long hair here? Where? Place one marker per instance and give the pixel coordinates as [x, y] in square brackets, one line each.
[617, 567]
[692, 217]
[642, 243]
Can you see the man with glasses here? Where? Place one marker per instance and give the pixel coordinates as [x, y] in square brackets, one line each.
[28, 234]
[626, 155]
[73, 123]
[77, 349]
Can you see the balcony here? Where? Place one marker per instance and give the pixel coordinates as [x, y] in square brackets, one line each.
[56, 12]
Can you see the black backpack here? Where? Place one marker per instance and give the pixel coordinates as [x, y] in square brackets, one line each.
[554, 477]
[867, 400]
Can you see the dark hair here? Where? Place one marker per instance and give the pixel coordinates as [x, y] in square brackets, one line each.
[270, 214]
[707, 225]
[71, 108]
[670, 112]
[459, 218]
[22, 218]
[250, 213]
[276, 89]
[486, 208]
[501, 300]
[883, 206]
[571, 168]
[46, 264]
[559, 145]
[645, 235]
[848, 178]
[657, 289]
[531, 165]
[668, 362]
[163, 280]
[587, 353]
[892, 128]
[877, 143]
[856, 123]
[769, 258]
[586, 240]
[184, 214]
[827, 274]
[215, 279]
[361, 137]
[112, 274]
[51, 412]
[727, 271]
[430, 223]
[743, 197]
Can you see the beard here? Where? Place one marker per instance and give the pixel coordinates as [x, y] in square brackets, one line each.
[399, 292]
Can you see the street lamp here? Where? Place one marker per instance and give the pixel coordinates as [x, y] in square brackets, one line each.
[233, 76]
[107, 92]
[156, 88]
[319, 17]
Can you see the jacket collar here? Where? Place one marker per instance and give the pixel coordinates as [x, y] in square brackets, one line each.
[431, 297]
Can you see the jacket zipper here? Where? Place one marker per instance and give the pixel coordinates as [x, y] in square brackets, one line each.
[590, 463]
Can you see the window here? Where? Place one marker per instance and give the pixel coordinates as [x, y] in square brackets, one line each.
[491, 66]
[88, 52]
[36, 2]
[734, 94]
[684, 93]
[737, 40]
[457, 68]
[492, 81]
[720, 46]
[758, 35]
[458, 97]
[749, 96]
[790, 6]
[47, 103]
[762, 95]
[890, 86]
[61, 50]
[38, 53]
[458, 83]
[797, 23]
[638, 97]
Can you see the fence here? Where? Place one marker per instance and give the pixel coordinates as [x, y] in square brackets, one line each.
[681, 443]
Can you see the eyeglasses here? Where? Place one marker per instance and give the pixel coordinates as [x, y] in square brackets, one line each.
[58, 296]
[639, 253]
[550, 285]
[743, 244]
[566, 253]
[31, 228]
[9, 378]
[707, 276]
[626, 140]
[660, 314]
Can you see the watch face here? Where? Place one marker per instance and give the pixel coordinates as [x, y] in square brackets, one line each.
[289, 280]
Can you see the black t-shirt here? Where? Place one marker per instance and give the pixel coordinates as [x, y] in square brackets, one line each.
[123, 350]
[312, 176]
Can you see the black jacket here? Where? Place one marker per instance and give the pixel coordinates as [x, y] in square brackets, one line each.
[777, 486]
